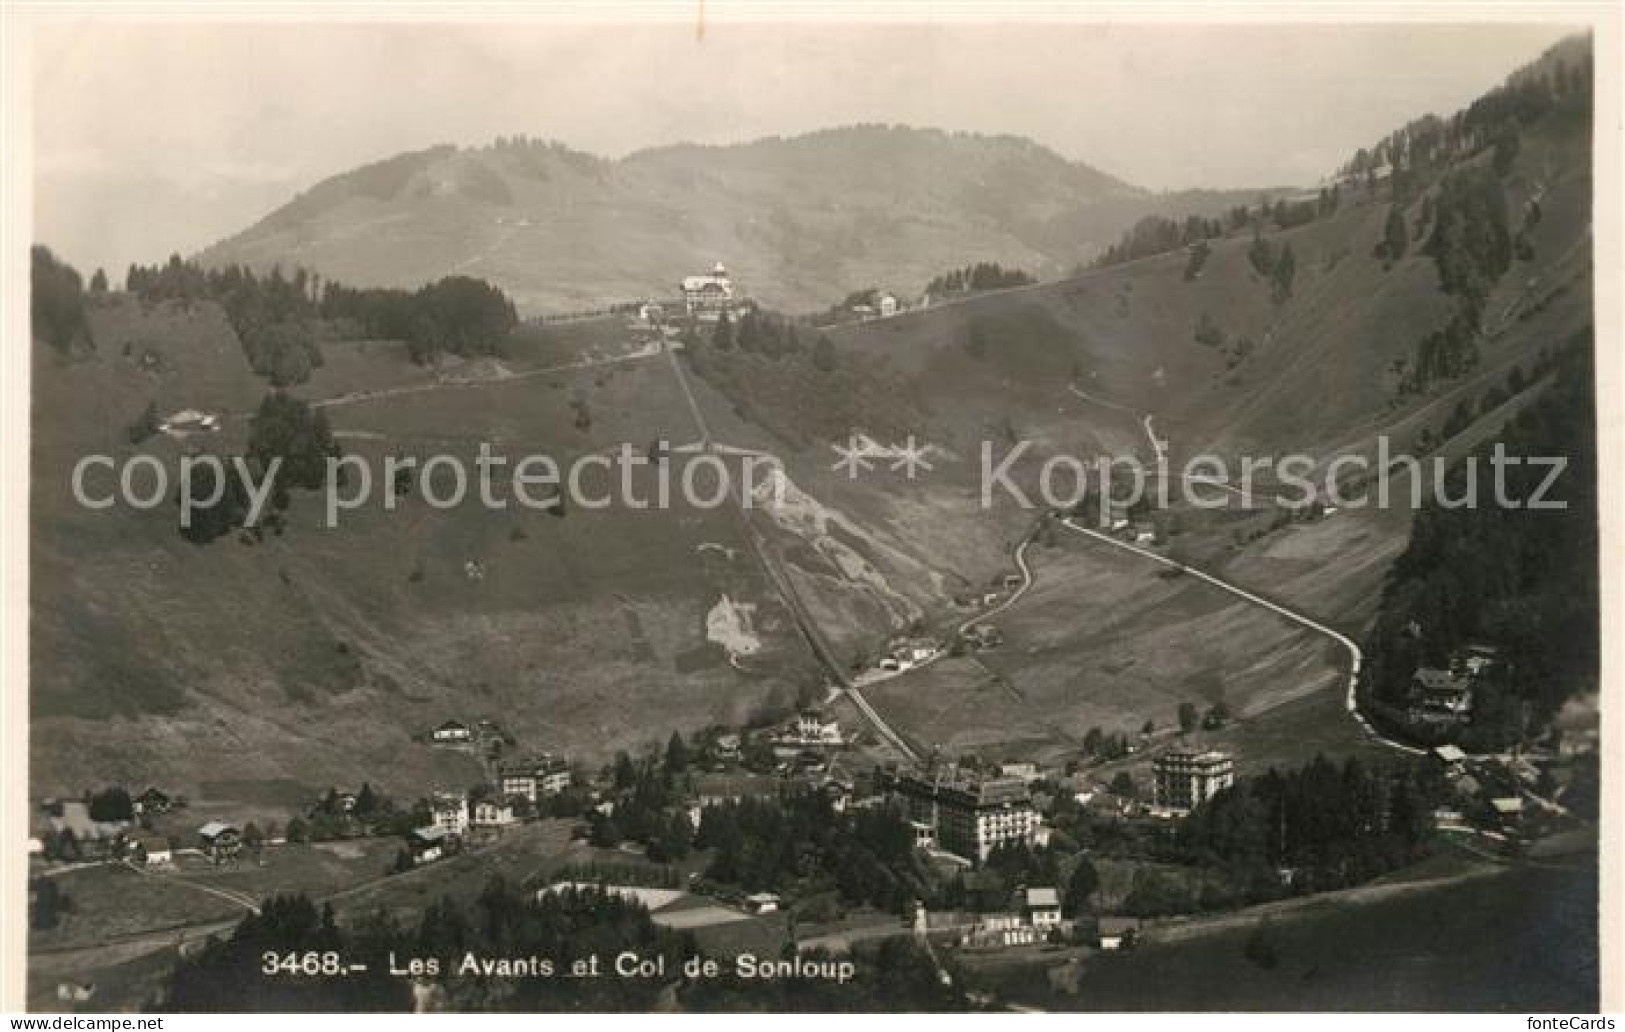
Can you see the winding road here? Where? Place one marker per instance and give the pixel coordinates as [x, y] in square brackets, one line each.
[1351, 701]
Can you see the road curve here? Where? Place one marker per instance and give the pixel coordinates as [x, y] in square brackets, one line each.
[1351, 701]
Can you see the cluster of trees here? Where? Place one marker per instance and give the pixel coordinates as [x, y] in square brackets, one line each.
[273, 315]
[646, 794]
[47, 904]
[279, 318]
[1330, 825]
[1157, 234]
[284, 428]
[1277, 264]
[980, 276]
[1552, 84]
[1521, 580]
[799, 842]
[459, 315]
[504, 920]
[759, 332]
[57, 302]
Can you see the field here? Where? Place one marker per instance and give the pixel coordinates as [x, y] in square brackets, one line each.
[1523, 939]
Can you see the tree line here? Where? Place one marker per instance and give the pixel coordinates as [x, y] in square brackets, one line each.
[281, 318]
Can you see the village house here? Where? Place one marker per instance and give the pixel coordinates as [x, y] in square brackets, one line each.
[426, 845]
[762, 902]
[1450, 758]
[189, 421]
[971, 817]
[493, 813]
[220, 841]
[1026, 770]
[147, 848]
[1042, 908]
[1116, 933]
[534, 777]
[1186, 777]
[452, 732]
[152, 803]
[1508, 812]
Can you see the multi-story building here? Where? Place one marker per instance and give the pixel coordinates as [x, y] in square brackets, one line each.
[971, 817]
[1187, 777]
[707, 297]
[450, 812]
[534, 777]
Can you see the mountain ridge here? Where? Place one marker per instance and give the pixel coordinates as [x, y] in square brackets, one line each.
[803, 219]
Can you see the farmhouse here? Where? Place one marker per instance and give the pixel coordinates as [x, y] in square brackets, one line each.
[971, 818]
[152, 802]
[148, 848]
[1186, 777]
[220, 841]
[1116, 933]
[762, 903]
[427, 845]
[452, 732]
[534, 777]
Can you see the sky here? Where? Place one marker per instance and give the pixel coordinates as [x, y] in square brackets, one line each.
[158, 138]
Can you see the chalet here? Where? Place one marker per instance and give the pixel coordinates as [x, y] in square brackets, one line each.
[75, 992]
[1450, 757]
[152, 803]
[762, 902]
[220, 841]
[1439, 696]
[1116, 933]
[493, 813]
[189, 421]
[1042, 908]
[450, 811]
[534, 777]
[452, 732]
[147, 848]
[1508, 812]
[1476, 659]
[426, 845]
[1026, 770]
